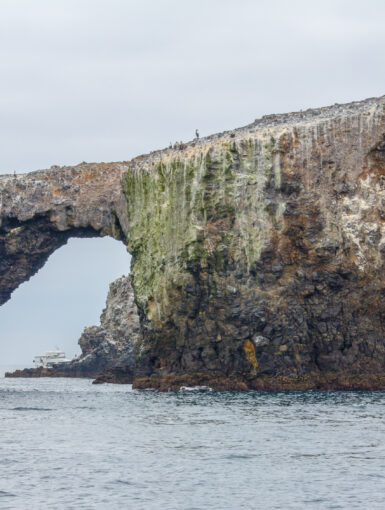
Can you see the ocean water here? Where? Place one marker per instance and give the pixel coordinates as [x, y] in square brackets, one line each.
[68, 444]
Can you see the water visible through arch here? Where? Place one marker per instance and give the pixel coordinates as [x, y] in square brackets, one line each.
[67, 294]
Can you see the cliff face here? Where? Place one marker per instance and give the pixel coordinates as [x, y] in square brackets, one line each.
[257, 254]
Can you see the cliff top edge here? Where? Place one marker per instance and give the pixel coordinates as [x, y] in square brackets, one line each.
[290, 119]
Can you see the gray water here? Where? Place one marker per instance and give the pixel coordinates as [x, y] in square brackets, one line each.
[68, 444]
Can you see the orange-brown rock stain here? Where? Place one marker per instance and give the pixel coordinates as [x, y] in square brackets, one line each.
[249, 349]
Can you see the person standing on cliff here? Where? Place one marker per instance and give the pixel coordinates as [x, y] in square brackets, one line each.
[196, 133]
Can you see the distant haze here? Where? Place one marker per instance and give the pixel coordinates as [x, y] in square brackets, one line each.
[98, 80]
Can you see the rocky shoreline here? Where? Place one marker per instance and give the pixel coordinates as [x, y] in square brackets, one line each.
[315, 382]
[217, 382]
[51, 372]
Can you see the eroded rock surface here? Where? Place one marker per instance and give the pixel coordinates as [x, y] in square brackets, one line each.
[114, 343]
[41, 210]
[258, 254]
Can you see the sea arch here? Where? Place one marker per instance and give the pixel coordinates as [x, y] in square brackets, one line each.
[40, 211]
[60, 300]
[257, 254]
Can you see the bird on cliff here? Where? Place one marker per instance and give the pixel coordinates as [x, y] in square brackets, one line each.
[196, 133]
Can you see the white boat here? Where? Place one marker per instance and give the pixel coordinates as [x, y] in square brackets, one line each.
[50, 359]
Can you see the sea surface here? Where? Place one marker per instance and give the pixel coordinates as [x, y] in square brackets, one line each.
[68, 444]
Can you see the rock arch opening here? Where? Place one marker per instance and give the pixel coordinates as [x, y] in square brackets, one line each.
[41, 211]
[67, 295]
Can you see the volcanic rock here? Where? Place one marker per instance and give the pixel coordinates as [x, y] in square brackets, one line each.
[257, 254]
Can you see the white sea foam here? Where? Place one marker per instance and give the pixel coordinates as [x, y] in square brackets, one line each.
[195, 388]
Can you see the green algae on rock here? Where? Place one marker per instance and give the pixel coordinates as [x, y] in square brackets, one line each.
[196, 223]
[269, 236]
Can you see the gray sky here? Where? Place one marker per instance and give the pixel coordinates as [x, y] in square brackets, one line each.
[106, 80]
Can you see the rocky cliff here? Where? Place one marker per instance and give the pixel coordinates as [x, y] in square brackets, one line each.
[257, 254]
[111, 348]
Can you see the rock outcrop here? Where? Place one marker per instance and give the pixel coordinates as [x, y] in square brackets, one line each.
[112, 346]
[257, 254]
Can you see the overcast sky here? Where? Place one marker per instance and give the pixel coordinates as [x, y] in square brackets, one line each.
[106, 80]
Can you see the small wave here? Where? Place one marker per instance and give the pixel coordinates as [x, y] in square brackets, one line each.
[241, 457]
[31, 409]
[4, 494]
[195, 388]
[124, 482]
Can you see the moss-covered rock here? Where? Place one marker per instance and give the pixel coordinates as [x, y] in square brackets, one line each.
[272, 232]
